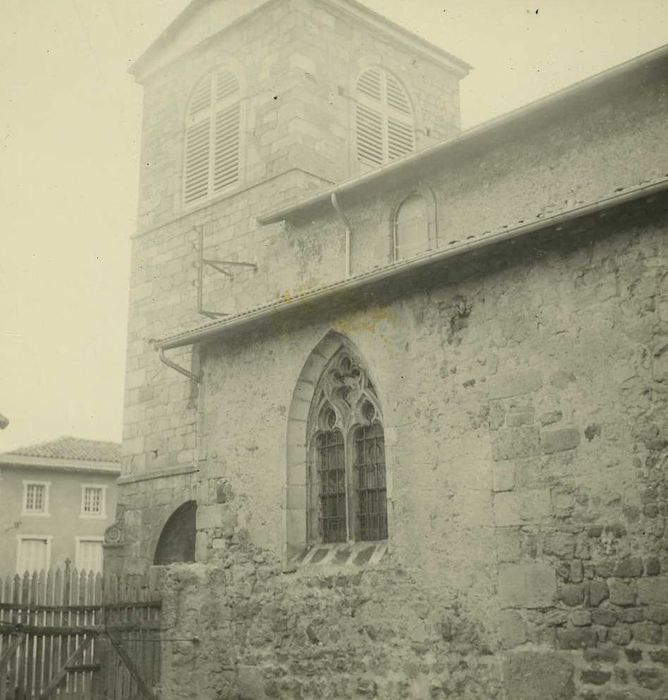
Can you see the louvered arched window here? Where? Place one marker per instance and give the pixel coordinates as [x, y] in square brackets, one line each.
[213, 137]
[385, 126]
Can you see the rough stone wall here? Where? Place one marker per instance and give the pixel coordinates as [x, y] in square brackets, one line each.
[525, 405]
[525, 418]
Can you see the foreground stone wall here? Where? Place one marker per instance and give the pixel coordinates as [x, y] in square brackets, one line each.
[525, 405]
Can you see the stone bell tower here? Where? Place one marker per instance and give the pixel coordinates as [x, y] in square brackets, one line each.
[247, 106]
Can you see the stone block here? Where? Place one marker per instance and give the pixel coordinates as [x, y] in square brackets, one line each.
[650, 678]
[503, 386]
[652, 566]
[527, 585]
[622, 594]
[646, 632]
[518, 417]
[595, 677]
[512, 629]
[578, 638]
[577, 571]
[550, 417]
[531, 675]
[513, 443]
[657, 613]
[653, 591]
[601, 655]
[209, 516]
[504, 476]
[561, 544]
[604, 616]
[629, 567]
[507, 543]
[572, 594]
[201, 545]
[250, 682]
[620, 634]
[552, 441]
[521, 507]
[581, 618]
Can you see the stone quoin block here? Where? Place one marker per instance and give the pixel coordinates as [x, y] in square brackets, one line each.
[530, 675]
[521, 507]
[514, 443]
[552, 441]
[527, 585]
[504, 386]
[503, 476]
[210, 516]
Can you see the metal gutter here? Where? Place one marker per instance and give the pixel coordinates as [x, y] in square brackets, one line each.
[181, 370]
[247, 318]
[404, 165]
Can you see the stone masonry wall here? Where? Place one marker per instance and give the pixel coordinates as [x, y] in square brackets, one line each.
[524, 395]
[296, 75]
[525, 411]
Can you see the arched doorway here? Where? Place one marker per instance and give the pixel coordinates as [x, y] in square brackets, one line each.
[177, 539]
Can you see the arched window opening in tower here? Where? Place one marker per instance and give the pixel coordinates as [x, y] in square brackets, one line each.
[212, 137]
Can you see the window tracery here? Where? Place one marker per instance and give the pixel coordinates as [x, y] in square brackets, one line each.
[347, 483]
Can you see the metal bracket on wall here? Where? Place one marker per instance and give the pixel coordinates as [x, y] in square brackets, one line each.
[218, 265]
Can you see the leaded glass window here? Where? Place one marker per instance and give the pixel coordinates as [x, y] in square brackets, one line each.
[347, 486]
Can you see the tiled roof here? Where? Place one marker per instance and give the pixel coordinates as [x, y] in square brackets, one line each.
[72, 448]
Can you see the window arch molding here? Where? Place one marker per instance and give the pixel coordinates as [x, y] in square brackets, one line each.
[424, 239]
[213, 143]
[385, 118]
[299, 517]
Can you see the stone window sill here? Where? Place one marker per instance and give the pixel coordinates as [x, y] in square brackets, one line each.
[355, 555]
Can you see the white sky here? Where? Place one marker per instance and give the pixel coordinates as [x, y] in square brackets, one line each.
[69, 134]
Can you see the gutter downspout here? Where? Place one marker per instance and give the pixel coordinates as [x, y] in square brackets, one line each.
[182, 370]
[346, 223]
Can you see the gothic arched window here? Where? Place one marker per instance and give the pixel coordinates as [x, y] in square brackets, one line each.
[347, 488]
[384, 122]
[213, 137]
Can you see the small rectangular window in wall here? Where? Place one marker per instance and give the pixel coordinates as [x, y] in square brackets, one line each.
[92, 501]
[35, 498]
[89, 555]
[33, 554]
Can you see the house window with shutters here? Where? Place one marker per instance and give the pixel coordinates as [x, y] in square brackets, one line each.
[347, 488]
[384, 121]
[33, 553]
[212, 137]
[89, 554]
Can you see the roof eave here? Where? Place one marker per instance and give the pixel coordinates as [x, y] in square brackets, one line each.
[209, 331]
[404, 165]
[13, 460]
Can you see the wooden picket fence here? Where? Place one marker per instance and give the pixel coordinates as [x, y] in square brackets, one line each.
[71, 635]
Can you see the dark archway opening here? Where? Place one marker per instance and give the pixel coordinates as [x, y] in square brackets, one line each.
[177, 539]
